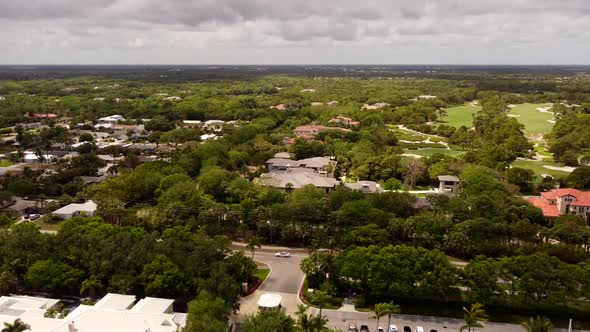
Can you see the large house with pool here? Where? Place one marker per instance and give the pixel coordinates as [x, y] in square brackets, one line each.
[556, 202]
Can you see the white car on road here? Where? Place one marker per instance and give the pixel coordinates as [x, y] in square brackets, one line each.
[283, 254]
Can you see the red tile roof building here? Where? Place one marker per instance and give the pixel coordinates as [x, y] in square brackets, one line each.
[40, 115]
[344, 120]
[559, 201]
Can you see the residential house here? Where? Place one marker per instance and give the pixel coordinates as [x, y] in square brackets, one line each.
[370, 187]
[112, 119]
[215, 125]
[279, 107]
[281, 164]
[307, 90]
[40, 115]
[295, 178]
[312, 130]
[317, 164]
[309, 130]
[317, 103]
[374, 106]
[345, 121]
[73, 210]
[173, 98]
[556, 202]
[332, 103]
[283, 155]
[24, 206]
[448, 184]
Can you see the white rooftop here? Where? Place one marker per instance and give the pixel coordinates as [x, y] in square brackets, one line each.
[269, 300]
[115, 301]
[89, 206]
[153, 305]
[113, 313]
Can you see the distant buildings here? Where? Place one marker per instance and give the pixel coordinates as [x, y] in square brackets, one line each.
[41, 115]
[312, 130]
[374, 106]
[556, 202]
[345, 121]
[113, 313]
[112, 119]
[279, 107]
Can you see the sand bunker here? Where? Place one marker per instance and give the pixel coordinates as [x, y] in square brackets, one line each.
[411, 155]
[567, 169]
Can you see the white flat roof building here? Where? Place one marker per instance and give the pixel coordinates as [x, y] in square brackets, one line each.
[72, 210]
[113, 313]
[269, 301]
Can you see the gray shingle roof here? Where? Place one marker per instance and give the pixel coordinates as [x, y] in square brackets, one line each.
[297, 178]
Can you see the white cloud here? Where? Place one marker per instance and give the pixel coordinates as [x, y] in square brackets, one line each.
[295, 31]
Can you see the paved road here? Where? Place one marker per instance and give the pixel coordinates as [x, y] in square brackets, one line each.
[285, 279]
[4, 170]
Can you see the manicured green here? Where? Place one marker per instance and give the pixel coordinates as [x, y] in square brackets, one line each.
[537, 167]
[429, 152]
[6, 163]
[535, 122]
[460, 116]
[261, 274]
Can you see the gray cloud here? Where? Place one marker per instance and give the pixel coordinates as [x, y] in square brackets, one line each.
[295, 31]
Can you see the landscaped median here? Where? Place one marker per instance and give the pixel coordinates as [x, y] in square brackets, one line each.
[262, 271]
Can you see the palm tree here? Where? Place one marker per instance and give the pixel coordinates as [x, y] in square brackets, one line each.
[90, 286]
[380, 311]
[390, 309]
[303, 320]
[473, 317]
[537, 324]
[321, 298]
[253, 243]
[17, 326]
[309, 323]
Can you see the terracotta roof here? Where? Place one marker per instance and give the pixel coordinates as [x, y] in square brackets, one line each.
[541, 203]
[568, 191]
[549, 195]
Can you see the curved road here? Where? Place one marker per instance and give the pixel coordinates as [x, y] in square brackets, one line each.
[285, 278]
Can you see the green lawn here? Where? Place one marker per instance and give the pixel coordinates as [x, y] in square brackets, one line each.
[460, 116]
[5, 163]
[429, 152]
[535, 122]
[262, 274]
[537, 167]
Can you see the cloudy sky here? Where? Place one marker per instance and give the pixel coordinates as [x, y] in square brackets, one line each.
[294, 31]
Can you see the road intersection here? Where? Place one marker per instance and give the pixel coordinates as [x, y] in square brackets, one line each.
[286, 278]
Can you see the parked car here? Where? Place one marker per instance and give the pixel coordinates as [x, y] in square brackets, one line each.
[380, 329]
[365, 328]
[283, 254]
[392, 328]
[433, 330]
[419, 329]
[407, 329]
[35, 216]
[352, 327]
